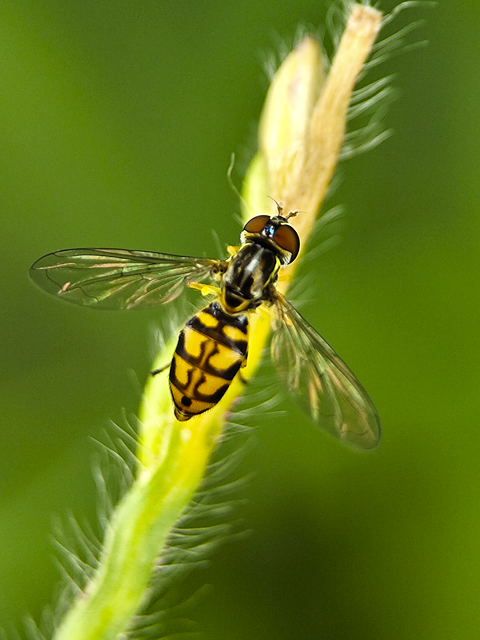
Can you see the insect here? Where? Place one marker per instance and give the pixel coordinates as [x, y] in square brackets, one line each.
[213, 345]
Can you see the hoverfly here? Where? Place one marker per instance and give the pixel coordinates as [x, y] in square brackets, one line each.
[213, 345]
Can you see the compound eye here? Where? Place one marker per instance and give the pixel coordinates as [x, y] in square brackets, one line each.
[287, 238]
[256, 224]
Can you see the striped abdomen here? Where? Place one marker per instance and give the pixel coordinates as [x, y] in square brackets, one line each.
[211, 349]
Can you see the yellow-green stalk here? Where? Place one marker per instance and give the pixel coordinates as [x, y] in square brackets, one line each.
[300, 136]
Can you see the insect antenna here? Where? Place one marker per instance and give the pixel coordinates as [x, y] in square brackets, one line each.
[292, 214]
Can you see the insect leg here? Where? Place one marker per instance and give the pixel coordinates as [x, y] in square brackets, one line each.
[205, 289]
[156, 371]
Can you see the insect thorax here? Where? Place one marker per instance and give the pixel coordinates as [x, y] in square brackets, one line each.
[250, 272]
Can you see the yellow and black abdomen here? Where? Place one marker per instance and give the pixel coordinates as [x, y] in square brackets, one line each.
[210, 350]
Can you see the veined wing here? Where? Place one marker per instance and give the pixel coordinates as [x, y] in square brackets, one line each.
[118, 278]
[320, 381]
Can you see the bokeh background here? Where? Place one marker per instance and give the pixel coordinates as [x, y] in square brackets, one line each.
[117, 121]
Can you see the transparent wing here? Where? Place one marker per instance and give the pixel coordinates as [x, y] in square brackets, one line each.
[118, 278]
[320, 381]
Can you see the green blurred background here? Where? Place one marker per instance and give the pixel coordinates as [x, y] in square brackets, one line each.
[117, 121]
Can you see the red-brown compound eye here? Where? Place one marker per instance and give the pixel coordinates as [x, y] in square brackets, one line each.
[287, 238]
[256, 224]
